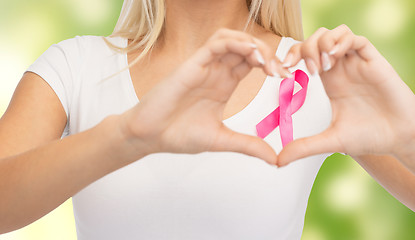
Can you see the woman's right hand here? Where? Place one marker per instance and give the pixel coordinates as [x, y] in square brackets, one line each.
[184, 113]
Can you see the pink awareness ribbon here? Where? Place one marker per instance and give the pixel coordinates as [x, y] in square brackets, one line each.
[289, 104]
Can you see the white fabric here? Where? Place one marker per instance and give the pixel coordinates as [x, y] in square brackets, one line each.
[178, 196]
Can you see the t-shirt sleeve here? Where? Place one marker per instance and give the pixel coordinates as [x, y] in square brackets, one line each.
[59, 66]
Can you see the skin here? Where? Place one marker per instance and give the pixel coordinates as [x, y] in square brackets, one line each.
[373, 110]
[199, 85]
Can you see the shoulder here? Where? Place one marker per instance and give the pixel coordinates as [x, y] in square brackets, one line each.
[80, 53]
[85, 45]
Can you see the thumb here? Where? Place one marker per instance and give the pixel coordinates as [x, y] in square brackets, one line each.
[324, 142]
[229, 140]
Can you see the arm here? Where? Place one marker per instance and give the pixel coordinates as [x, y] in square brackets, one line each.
[389, 172]
[395, 172]
[32, 183]
[37, 181]
[38, 171]
[373, 110]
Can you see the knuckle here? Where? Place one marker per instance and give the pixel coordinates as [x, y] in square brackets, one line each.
[345, 28]
[307, 45]
[212, 46]
[305, 52]
[362, 38]
[211, 43]
[322, 29]
[325, 39]
[220, 33]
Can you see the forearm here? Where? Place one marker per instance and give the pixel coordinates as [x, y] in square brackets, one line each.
[392, 175]
[34, 183]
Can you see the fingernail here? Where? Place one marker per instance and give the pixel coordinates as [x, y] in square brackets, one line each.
[334, 50]
[288, 61]
[312, 68]
[325, 61]
[274, 68]
[253, 45]
[259, 57]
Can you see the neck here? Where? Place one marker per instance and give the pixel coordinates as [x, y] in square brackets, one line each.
[189, 23]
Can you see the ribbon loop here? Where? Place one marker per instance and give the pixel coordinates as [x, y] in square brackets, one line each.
[289, 104]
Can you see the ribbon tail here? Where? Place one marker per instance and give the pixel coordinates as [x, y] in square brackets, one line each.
[268, 124]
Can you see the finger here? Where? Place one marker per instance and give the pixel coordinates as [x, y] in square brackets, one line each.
[330, 39]
[223, 49]
[342, 46]
[309, 51]
[272, 65]
[281, 70]
[342, 41]
[333, 45]
[249, 145]
[232, 60]
[263, 54]
[365, 48]
[340, 49]
[219, 48]
[325, 142]
[225, 33]
[238, 53]
[293, 57]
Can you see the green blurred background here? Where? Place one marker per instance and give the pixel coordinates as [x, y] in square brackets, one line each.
[345, 203]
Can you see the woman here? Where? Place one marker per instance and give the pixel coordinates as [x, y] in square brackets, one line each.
[77, 88]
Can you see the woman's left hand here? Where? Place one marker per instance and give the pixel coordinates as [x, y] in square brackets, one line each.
[373, 109]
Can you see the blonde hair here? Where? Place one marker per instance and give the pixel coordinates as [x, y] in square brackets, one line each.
[142, 21]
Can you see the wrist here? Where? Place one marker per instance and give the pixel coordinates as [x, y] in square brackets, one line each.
[405, 151]
[123, 146]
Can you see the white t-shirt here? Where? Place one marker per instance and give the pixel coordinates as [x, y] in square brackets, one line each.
[180, 196]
